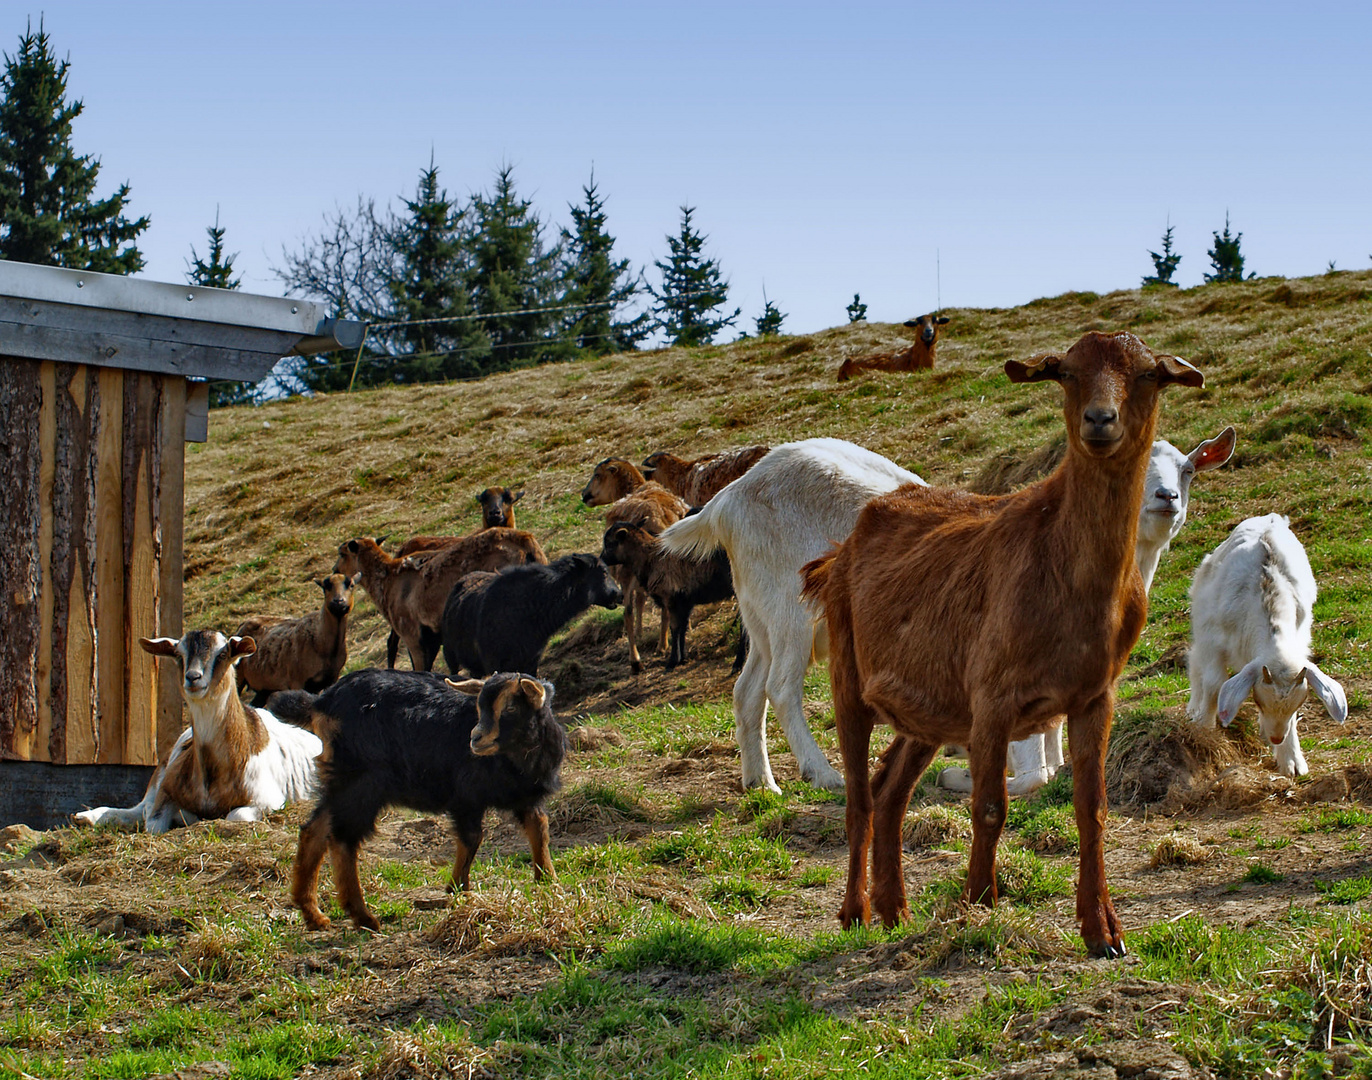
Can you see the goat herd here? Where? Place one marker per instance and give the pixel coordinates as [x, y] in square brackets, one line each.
[986, 622]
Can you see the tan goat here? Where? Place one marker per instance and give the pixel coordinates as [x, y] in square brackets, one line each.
[981, 619]
[410, 591]
[307, 653]
[701, 480]
[916, 357]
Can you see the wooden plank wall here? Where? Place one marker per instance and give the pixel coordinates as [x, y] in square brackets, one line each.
[93, 541]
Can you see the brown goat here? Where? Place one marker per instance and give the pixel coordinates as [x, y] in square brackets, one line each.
[701, 480]
[978, 620]
[307, 653]
[612, 480]
[652, 507]
[916, 357]
[410, 591]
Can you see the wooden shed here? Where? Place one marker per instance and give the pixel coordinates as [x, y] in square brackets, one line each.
[101, 384]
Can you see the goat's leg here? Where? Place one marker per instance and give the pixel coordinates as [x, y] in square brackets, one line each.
[854, 719]
[1028, 759]
[1052, 751]
[901, 766]
[786, 689]
[633, 621]
[467, 833]
[987, 749]
[750, 715]
[349, 888]
[392, 648]
[535, 824]
[314, 842]
[1207, 673]
[678, 617]
[1087, 739]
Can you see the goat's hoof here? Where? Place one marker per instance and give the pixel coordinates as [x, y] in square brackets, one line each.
[317, 922]
[1102, 932]
[1107, 950]
[636, 666]
[367, 921]
[829, 779]
[854, 911]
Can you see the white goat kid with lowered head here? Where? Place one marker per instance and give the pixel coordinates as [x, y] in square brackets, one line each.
[1166, 493]
[791, 507]
[1251, 605]
[233, 762]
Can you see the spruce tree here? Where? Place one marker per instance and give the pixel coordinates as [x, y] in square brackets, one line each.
[1225, 256]
[513, 272]
[430, 282]
[596, 285]
[218, 274]
[47, 214]
[857, 310]
[1165, 264]
[692, 288]
[769, 322]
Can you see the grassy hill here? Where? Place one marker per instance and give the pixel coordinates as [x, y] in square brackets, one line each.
[691, 932]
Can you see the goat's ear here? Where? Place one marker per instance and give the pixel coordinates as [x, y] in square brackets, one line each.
[1173, 369]
[913, 322]
[942, 320]
[516, 496]
[478, 497]
[533, 692]
[353, 546]
[323, 583]
[379, 540]
[1035, 369]
[355, 580]
[470, 687]
[158, 646]
[242, 646]
[1328, 691]
[1213, 453]
[1236, 690]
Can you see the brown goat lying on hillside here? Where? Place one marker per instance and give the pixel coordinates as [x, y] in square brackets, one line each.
[973, 619]
[611, 480]
[410, 592]
[701, 480]
[916, 357]
[307, 653]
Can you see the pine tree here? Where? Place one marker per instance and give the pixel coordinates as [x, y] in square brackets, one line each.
[430, 282]
[47, 214]
[857, 310]
[769, 322]
[1225, 256]
[692, 287]
[218, 274]
[512, 271]
[596, 285]
[1164, 265]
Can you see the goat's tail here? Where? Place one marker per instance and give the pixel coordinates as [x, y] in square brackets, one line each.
[293, 706]
[697, 536]
[815, 576]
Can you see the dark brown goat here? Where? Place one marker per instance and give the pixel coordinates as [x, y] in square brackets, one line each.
[701, 480]
[916, 357]
[978, 620]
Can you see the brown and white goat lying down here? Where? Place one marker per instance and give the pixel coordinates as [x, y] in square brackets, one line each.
[408, 738]
[233, 762]
[916, 357]
[978, 620]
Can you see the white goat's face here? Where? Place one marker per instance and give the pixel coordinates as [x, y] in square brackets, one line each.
[1167, 490]
[1278, 697]
[206, 658]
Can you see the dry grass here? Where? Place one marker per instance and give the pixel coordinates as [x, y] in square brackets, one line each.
[936, 825]
[1177, 849]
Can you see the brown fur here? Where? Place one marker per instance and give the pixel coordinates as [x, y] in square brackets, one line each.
[701, 480]
[916, 357]
[497, 507]
[307, 653]
[612, 479]
[410, 592]
[653, 507]
[978, 620]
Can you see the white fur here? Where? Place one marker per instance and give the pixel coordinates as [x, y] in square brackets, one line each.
[791, 507]
[1166, 493]
[282, 771]
[1251, 604]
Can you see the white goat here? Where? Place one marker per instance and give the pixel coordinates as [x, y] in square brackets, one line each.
[1166, 493]
[1251, 602]
[789, 508]
[233, 762]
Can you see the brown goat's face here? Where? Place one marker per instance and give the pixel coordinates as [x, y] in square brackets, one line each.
[1110, 385]
[497, 506]
[651, 462]
[338, 593]
[605, 482]
[206, 657]
[619, 539]
[928, 326]
[505, 702]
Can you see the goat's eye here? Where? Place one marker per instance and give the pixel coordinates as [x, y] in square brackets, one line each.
[1149, 376]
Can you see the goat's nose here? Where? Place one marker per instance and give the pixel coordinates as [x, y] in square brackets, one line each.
[1167, 494]
[1101, 415]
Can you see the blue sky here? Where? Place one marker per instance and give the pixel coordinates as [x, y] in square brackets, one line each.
[1027, 149]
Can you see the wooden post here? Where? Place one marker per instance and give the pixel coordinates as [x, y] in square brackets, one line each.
[109, 568]
[170, 500]
[142, 578]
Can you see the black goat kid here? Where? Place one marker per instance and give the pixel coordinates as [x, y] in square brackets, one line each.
[501, 622]
[411, 738]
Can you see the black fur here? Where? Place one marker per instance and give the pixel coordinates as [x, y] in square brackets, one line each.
[501, 622]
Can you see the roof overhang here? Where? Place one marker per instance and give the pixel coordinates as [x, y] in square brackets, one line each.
[49, 313]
